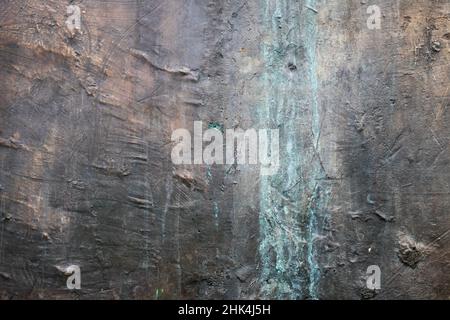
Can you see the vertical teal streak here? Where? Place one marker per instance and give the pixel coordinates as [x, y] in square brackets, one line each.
[290, 200]
[311, 45]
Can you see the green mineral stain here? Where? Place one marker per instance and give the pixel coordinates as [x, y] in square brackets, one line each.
[216, 212]
[292, 199]
[158, 293]
[216, 125]
[208, 174]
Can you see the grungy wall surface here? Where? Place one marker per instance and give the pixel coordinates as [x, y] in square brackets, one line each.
[86, 177]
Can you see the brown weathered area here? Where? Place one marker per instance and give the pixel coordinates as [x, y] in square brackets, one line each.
[86, 176]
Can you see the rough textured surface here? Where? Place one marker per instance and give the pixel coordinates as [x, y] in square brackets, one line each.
[86, 176]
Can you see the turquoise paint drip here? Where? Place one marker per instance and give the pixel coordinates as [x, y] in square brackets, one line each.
[291, 199]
